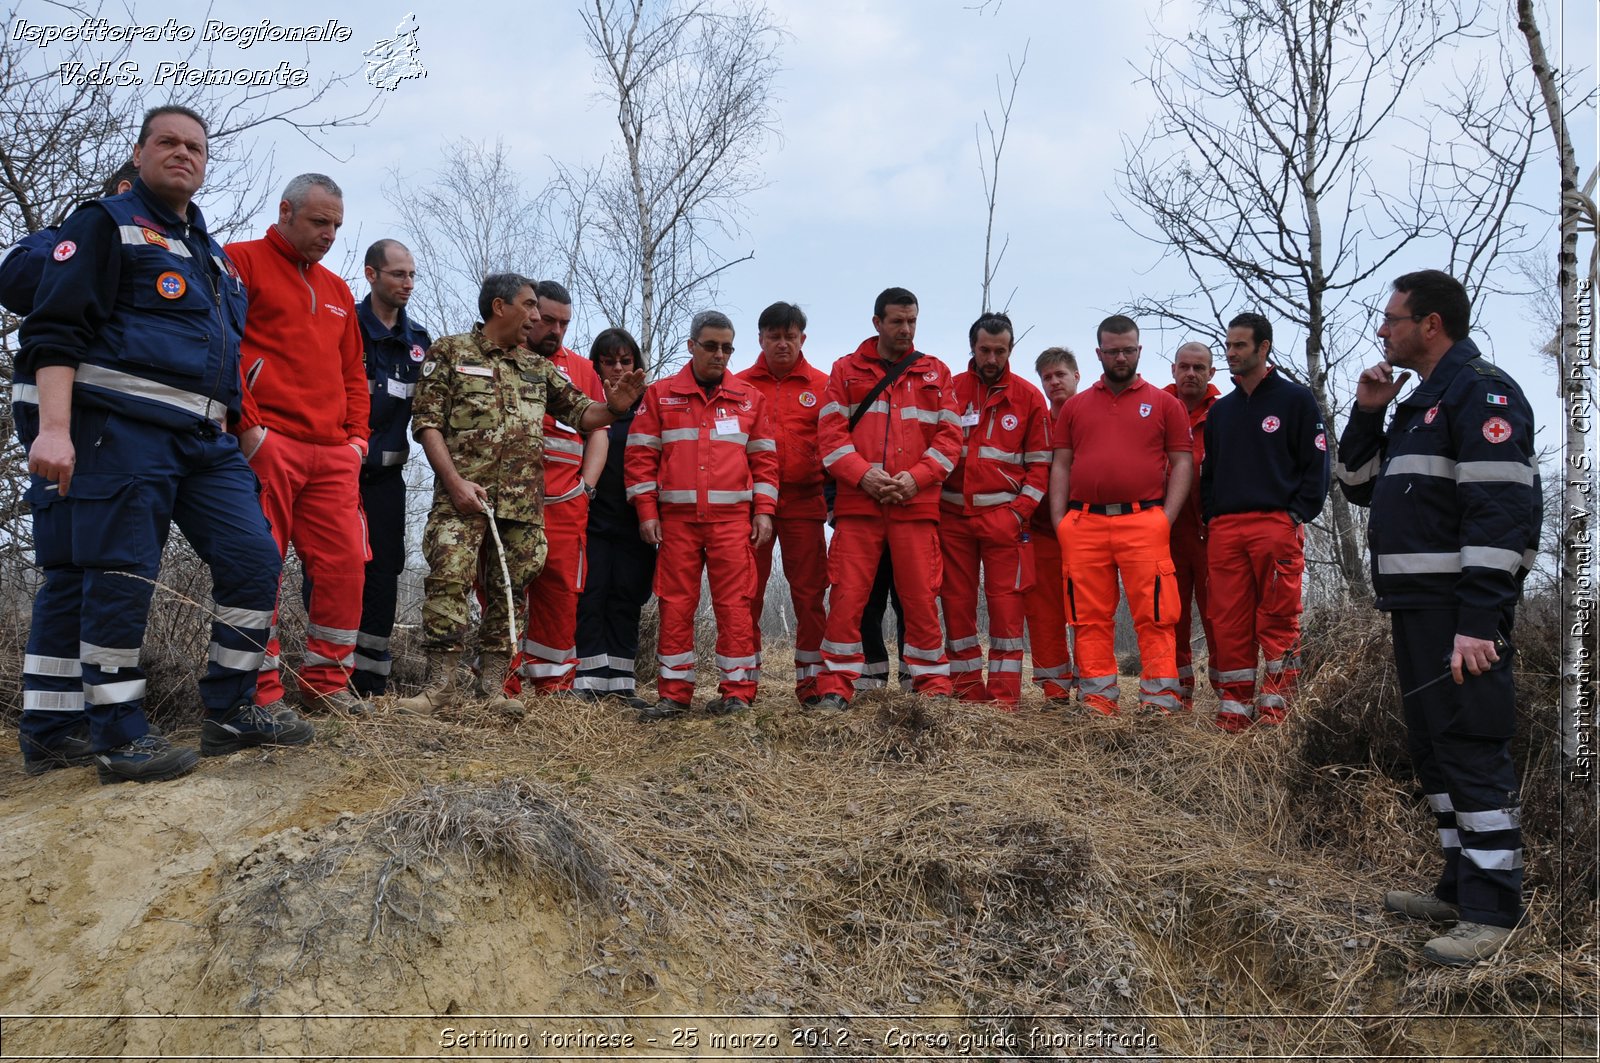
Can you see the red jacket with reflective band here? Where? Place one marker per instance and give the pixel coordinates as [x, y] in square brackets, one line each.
[704, 459]
[301, 353]
[794, 401]
[563, 447]
[1188, 519]
[912, 426]
[1005, 448]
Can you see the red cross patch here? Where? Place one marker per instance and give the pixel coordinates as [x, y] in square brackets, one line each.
[807, 399]
[1322, 441]
[64, 250]
[417, 353]
[1009, 422]
[1427, 418]
[1271, 424]
[931, 375]
[1496, 430]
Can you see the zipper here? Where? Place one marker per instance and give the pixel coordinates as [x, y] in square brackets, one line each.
[306, 280]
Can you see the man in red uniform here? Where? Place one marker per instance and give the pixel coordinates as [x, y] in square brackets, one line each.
[1122, 462]
[889, 434]
[702, 472]
[793, 390]
[1191, 382]
[1046, 603]
[303, 364]
[572, 466]
[984, 510]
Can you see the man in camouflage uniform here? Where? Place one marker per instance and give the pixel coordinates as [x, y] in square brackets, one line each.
[478, 414]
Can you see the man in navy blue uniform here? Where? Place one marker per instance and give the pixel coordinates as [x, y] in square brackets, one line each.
[131, 361]
[1454, 491]
[394, 346]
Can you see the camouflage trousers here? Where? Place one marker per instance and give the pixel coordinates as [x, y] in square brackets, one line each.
[459, 550]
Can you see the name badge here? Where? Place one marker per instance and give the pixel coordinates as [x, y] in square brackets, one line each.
[728, 426]
[475, 370]
[970, 420]
[399, 389]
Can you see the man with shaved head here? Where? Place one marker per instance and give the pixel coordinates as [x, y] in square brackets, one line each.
[1192, 370]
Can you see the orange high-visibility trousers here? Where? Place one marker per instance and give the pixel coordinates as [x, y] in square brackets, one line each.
[722, 550]
[805, 567]
[1256, 562]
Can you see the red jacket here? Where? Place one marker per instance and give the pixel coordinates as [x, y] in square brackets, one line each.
[702, 459]
[794, 401]
[563, 447]
[1005, 449]
[912, 426]
[301, 353]
[1188, 522]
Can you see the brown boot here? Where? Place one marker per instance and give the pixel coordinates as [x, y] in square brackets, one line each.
[440, 691]
[492, 684]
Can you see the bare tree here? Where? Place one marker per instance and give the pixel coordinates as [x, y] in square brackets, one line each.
[692, 86]
[1576, 520]
[1265, 172]
[989, 169]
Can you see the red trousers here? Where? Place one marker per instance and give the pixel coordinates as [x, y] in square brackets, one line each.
[722, 550]
[1094, 549]
[805, 566]
[550, 640]
[994, 541]
[1046, 609]
[858, 544]
[1189, 561]
[312, 498]
[1256, 562]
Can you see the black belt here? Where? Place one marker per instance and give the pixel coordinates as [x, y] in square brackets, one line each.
[1116, 509]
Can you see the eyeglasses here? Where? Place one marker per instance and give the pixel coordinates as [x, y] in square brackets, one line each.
[399, 274]
[713, 348]
[1391, 319]
[1118, 352]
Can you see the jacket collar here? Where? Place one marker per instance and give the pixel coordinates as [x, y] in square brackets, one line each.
[369, 321]
[1455, 359]
[1134, 385]
[276, 240]
[1199, 412]
[683, 383]
[868, 352]
[164, 213]
[799, 369]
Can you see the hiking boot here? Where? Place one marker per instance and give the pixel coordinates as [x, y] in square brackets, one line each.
[339, 702]
[727, 706]
[70, 750]
[665, 709]
[1059, 704]
[830, 703]
[439, 691]
[248, 725]
[1103, 706]
[492, 671]
[151, 758]
[634, 701]
[1467, 943]
[811, 701]
[1424, 906]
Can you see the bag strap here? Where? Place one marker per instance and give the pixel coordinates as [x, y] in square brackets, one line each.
[889, 377]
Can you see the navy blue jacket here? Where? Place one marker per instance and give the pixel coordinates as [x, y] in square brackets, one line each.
[1454, 490]
[1266, 451]
[393, 359]
[21, 270]
[146, 306]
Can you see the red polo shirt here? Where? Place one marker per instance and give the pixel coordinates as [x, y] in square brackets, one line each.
[1119, 442]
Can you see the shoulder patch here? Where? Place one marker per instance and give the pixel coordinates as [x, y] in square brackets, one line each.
[1483, 367]
[1496, 430]
[1498, 400]
[429, 367]
[64, 250]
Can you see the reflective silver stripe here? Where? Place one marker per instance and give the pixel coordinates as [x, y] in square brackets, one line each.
[846, 665]
[109, 379]
[1422, 465]
[1032, 492]
[562, 445]
[1237, 708]
[372, 667]
[1006, 645]
[871, 667]
[343, 636]
[271, 662]
[994, 498]
[676, 658]
[393, 457]
[761, 446]
[927, 669]
[969, 642]
[952, 498]
[314, 658]
[544, 671]
[108, 656]
[235, 616]
[1049, 673]
[591, 664]
[970, 664]
[1276, 667]
[114, 693]
[1528, 558]
[1494, 859]
[545, 653]
[807, 656]
[133, 234]
[1033, 457]
[676, 673]
[61, 667]
[923, 654]
[52, 701]
[237, 660]
[1479, 472]
[880, 406]
[1157, 686]
[741, 438]
[767, 491]
[1010, 457]
[947, 417]
[1499, 819]
[944, 463]
[1099, 685]
[738, 662]
[1440, 803]
[608, 683]
[680, 435]
[640, 439]
[1013, 664]
[843, 649]
[866, 682]
[26, 393]
[371, 642]
[681, 497]
[1270, 701]
[833, 408]
[565, 496]
[1418, 564]
[1186, 674]
[1239, 675]
[916, 413]
[1449, 839]
[723, 498]
[638, 489]
[836, 455]
[1358, 475]
[1491, 557]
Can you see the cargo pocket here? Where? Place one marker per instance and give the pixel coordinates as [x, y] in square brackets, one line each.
[1282, 595]
[111, 522]
[1164, 595]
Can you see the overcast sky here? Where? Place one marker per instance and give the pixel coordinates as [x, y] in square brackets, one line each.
[875, 181]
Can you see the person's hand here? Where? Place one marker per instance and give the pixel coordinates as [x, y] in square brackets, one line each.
[1475, 655]
[53, 457]
[625, 392]
[650, 531]
[468, 498]
[905, 487]
[1377, 386]
[761, 530]
[877, 483]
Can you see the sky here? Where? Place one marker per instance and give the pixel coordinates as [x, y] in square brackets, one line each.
[875, 180]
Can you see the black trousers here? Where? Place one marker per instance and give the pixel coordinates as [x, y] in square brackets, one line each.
[620, 575]
[875, 673]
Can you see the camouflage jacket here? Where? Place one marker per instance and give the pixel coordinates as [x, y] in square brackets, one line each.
[489, 404]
